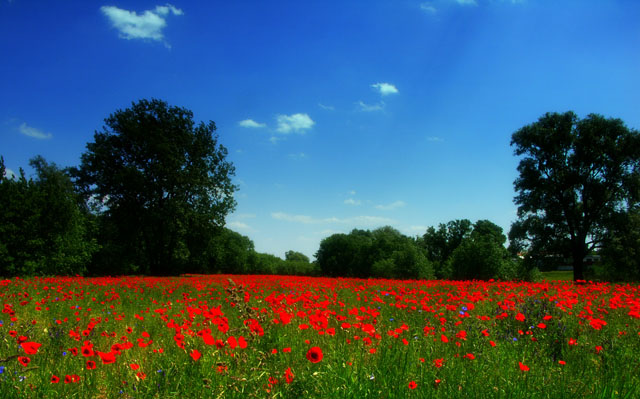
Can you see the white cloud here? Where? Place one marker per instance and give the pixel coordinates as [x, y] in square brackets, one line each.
[356, 220]
[467, 2]
[371, 108]
[327, 107]
[428, 8]
[352, 192]
[235, 225]
[296, 123]
[391, 206]
[298, 156]
[274, 139]
[9, 174]
[385, 88]
[250, 123]
[351, 201]
[148, 25]
[435, 139]
[33, 132]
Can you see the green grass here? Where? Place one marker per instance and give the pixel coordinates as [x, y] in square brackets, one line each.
[394, 337]
[558, 275]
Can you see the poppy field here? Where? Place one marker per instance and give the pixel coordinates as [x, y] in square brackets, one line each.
[294, 337]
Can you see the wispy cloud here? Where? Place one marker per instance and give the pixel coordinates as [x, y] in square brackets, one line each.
[148, 25]
[351, 201]
[327, 107]
[9, 174]
[33, 132]
[435, 139]
[371, 107]
[250, 123]
[298, 156]
[236, 225]
[385, 88]
[296, 123]
[467, 2]
[391, 206]
[428, 8]
[356, 220]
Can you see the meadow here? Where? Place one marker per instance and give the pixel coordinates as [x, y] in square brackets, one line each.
[229, 336]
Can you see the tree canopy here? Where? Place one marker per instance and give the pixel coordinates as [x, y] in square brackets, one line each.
[576, 176]
[161, 183]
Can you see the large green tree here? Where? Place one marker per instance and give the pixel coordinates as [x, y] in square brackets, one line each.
[575, 177]
[43, 228]
[162, 185]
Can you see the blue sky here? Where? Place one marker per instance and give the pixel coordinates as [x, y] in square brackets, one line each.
[336, 114]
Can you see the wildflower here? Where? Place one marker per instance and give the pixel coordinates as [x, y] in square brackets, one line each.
[412, 385]
[55, 379]
[573, 341]
[314, 355]
[562, 362]
[134, 366]
[24, 360]
[107, 357]
[492, 343]
[195, 355]
[141, 375]
[542, 325]
[520, 317]
[288, 375]
[470, 356]
[523, 367]
[438, 362]
[598, 348]
[30, 348]
[91, 365]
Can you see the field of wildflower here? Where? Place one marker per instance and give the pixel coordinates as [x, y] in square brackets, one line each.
[299, 337]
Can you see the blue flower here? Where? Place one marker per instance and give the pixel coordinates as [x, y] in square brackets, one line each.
[1, 369]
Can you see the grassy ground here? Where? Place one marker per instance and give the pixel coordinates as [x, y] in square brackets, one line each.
[316, 338]
[558, 275]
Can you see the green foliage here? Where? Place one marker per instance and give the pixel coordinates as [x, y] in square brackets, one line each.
[161, 185]
[575, 175]
[383, 252]
[621, 249]
[43, 229]
[439, 244]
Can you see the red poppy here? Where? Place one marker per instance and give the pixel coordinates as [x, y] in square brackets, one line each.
[67, 379]
[141, 375]
[30, 348]
[562, 362]
[24, 360]
[107, 357]
[55, 379]
[195, 355]
[91, 365]
[242, 343]
[134, 366]
[412, 385]
[520, 317]
[288, 375]
[523, 367]
[232, 342]
[314, 355]
[438, 362]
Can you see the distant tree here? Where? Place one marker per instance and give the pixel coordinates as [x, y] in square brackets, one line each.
[162, 185]
[482, 255]
[575, 175]
[620, 251]
[345, 254]
[296, 256]
[439, 244]
[43, 229]
[229, 252]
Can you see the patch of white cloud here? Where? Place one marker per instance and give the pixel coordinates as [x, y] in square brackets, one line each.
[385, 89]
[391, 206]
[274, 139]
[250, 123]
[296, 123]
[9, 174]
[356, 220]
[371, 107]
[33, 132]
[148, 25]
[467, 2]
[237, 225]
[298, 156]
[351, 201]
[428, 8]
[327, 107]
[435, 139]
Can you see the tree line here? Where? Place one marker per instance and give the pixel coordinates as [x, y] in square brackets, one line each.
[153, 188]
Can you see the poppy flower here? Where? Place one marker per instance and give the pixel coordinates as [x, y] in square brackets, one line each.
[412, 385]
[523, 367]
[288, 375]
[134, 366]
[195, 355]
[55, 379]
[30, 348]
[314, 355]
[242, 343]
[232, 342]
[141, 375]
[91, 365]
[67, 379]
[24, 360]
[520, 317]
[107, 357]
